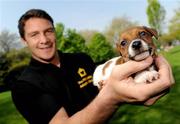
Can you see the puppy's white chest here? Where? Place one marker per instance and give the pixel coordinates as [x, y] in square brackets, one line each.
[102, 72]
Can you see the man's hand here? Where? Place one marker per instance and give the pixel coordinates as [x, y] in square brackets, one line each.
[163, 67]
[123, 88]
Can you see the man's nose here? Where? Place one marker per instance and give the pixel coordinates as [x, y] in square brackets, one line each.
[43, 38]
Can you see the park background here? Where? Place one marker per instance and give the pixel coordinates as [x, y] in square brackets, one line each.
[89, 26]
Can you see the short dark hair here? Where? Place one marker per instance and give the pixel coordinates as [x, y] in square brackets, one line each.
[30, 14]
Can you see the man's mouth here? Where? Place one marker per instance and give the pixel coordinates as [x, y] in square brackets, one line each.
[46, 47]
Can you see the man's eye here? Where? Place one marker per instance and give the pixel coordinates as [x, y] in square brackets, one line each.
[50, 31]
[123, 43]
[33, 34]
[143, 33]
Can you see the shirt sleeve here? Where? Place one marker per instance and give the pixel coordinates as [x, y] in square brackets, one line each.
[35, 105]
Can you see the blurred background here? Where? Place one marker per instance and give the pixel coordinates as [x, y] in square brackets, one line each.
[89, 26]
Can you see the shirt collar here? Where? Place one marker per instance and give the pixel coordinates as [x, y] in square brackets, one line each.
[38, 64]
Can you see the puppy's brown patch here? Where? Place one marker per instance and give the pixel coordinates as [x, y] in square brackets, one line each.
[106, 66]
[119, 61]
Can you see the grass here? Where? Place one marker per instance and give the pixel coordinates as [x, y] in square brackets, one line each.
[8, 112]
[165, 111]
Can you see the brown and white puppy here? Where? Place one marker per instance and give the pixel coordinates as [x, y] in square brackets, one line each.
[133, 44]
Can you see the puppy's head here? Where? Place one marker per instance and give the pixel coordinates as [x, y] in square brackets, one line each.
[136, 43]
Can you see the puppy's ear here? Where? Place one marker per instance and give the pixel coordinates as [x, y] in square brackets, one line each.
[152, 31]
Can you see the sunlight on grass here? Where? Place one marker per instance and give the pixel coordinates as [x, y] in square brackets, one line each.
[8, 112]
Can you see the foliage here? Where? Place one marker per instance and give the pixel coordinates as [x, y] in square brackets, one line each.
[173, 30]
[117, 25]
[3, 68]
[8, 41]
[174, 27]
[18, 58]
[87, 34]
[156, 15]
[11, 61]
[59, 33]
[69, 41]
[99, 49]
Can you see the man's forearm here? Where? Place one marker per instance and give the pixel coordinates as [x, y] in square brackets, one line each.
[97, 112]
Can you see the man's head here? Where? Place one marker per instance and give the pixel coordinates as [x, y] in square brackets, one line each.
[32, 13]
[38, 33]
[136, 43]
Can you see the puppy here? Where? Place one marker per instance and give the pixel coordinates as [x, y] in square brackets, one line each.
[136, 44]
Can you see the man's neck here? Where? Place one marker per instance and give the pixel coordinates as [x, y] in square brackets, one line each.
[56, 61]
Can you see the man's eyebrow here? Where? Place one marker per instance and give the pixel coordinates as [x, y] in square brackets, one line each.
[50, 28]
[33, 32]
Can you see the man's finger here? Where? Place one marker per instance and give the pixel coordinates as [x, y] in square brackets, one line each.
[160, 84]
[153, 99]
[158, 60]
[131, 67]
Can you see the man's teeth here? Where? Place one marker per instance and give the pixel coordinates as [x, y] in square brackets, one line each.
[46, 47]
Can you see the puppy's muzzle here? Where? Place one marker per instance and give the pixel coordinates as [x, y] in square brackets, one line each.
[139, 50]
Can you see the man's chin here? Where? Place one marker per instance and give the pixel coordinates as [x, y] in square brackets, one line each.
[48, 59]
[44, 59]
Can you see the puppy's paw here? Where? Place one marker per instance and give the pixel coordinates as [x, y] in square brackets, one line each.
[146, 76]
[152, 75]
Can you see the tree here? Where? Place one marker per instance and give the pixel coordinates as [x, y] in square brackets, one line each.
[156, 15]
[173, 29]
[59, 33]
[174, 26]
[87, 34]
[11, 65]
[8, 41]
[72, 42]
[99, 49]
[117, 25]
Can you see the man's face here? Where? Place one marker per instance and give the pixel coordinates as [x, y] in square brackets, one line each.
[40, 39]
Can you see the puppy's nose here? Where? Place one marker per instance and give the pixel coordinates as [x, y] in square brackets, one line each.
[136, 44]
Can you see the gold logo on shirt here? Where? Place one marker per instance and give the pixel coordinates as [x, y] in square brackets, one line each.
[82, 72]
[85, 79]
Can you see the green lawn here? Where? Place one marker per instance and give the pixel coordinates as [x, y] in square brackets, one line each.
[8, 113]
[165, 111]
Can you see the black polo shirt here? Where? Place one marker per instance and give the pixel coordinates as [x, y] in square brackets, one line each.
[43, 89]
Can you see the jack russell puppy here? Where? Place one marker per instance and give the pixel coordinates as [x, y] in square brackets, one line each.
[136, 44]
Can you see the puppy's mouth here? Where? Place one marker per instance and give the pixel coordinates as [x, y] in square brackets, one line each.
[142, 55]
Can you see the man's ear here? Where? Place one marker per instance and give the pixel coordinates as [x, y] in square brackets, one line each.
[152, 31]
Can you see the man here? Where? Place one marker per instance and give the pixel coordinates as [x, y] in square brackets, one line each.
[57, 88]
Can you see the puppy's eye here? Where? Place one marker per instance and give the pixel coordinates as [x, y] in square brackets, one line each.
[123, 43]
[143, 33]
